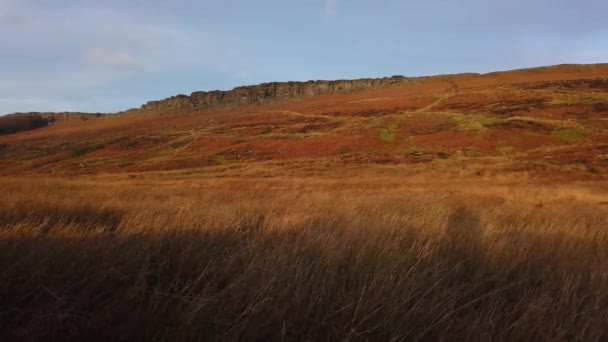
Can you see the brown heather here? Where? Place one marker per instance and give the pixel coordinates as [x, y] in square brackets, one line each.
[162, 257]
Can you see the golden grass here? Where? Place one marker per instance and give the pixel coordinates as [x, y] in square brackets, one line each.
[301, 259]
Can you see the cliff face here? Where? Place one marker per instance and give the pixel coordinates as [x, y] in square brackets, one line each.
[270, 92]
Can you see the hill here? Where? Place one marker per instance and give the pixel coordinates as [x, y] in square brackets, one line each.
[543, 120]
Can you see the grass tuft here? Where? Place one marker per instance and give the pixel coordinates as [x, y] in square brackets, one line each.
[568, 134]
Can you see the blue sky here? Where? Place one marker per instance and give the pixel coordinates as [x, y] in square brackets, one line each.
[110, 55]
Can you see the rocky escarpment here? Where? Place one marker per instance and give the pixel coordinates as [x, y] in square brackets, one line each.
[270, 92]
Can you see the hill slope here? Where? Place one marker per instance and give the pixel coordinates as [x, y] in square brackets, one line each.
[538, 120]
[461, 207]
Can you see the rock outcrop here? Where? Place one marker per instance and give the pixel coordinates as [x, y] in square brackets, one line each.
[271, 92]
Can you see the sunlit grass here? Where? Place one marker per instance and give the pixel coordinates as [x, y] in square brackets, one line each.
[162, 258]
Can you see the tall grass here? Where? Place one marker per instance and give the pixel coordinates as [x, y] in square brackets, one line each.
[300, 260]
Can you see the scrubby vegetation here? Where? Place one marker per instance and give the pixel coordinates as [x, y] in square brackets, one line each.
[569, 134]
[16, 123]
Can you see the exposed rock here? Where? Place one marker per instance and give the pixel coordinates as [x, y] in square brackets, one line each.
[270, 92]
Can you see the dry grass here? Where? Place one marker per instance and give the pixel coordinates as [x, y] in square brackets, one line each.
[301, 259]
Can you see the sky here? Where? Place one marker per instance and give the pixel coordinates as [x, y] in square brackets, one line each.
[111, 55]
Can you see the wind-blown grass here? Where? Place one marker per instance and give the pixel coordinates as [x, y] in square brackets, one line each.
[306, 259]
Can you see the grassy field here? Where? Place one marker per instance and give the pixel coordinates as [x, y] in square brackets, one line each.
[167, 256]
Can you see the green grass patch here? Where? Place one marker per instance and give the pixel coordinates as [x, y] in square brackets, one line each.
[562, 102]
[489, 120]
[505, 149]
[469, 126]
[388, 133]
[473, 123]
[224, 159]
[568, 134]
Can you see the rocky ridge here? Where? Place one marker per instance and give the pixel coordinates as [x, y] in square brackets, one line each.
[270, 92]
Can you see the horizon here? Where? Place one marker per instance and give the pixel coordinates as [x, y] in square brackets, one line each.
[303, 81]
[88, 57]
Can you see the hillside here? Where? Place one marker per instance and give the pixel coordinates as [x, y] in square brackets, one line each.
[453, 207]
[541, 120]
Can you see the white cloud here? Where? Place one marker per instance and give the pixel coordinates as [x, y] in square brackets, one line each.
[109, 58]
[331, 7]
